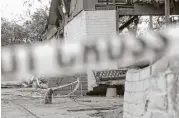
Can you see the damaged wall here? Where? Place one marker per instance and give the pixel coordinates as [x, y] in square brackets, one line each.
[151, 96]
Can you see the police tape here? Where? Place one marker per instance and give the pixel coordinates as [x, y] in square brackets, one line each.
[65, 58]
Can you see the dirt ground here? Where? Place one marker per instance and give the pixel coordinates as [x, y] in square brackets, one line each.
[27, 103]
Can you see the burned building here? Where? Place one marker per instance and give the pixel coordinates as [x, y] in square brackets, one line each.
[86, 19]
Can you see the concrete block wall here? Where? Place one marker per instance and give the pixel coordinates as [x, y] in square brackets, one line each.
[88, 25]
[100, 23]
[136, 89]
[76, 28]
[149, 96]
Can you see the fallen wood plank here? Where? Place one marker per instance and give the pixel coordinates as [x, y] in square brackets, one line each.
[62, 86]
[63, 96]
[11, 86]
[89, 109]
[84, 100]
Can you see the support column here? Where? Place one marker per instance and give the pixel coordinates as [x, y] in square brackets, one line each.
[167, 12]
[151, 28]
[91, 80]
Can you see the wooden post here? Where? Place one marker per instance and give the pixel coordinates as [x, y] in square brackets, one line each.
[167, 17]
[150, 23]
[167, 12]
[151, 28]
[136, 22]
[81, 88]
[113, 2]
[72, 88]
[117, 18]
[117, 22]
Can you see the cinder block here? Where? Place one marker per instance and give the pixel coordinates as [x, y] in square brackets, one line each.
[134, 86]
[147, 114]
[144, 73]
[133, 75]
[146, 84]
[159, 115]
[128, 86]
[125, 106]
[138, 86]
[125, 115]
[158, 84]
[75, 29]
[161, 82]
[137, 109]
[157, 101]
[100, 23]
[153, 82]
[134, 97]
[126, 96]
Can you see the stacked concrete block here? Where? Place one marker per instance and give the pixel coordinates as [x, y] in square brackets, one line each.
[136, 88]
[76, 29]
[173, 95]
[157, 98]
[163, 96]
[100, 23]
[91, 24]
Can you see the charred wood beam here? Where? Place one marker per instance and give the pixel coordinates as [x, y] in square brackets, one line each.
[127, 23]
[54, 14]
[56, 17]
